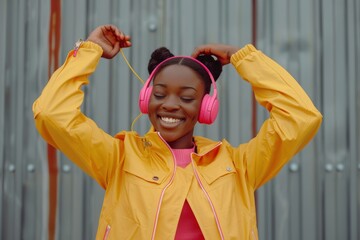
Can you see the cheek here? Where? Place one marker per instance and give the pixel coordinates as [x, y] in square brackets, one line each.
[195, 110]
[151, 110]
[152, 104]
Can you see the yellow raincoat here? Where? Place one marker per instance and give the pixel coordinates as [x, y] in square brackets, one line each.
[144, 190]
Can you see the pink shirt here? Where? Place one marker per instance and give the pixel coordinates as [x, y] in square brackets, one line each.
[188, 227]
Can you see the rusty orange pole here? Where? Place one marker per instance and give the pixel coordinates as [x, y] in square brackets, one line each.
[53, 57]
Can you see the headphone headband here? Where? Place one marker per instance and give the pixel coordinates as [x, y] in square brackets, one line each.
[148, 81]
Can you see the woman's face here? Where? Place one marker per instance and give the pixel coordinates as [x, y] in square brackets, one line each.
[175, 104]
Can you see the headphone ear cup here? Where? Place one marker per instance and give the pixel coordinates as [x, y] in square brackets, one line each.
[209, 109]
[144, 99]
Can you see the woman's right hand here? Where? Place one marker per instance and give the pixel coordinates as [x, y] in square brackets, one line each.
[110, 38]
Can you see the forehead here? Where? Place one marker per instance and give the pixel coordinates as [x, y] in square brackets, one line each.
[178, 75]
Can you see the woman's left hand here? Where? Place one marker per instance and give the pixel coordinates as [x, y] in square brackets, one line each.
[223, 52]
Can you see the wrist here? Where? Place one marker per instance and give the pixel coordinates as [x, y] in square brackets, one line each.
[233, 50]
[86, 44]
[241, 53]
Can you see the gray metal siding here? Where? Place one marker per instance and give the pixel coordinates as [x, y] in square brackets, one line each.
[315, 196]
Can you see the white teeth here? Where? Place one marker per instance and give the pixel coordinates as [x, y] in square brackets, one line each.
[170, 120]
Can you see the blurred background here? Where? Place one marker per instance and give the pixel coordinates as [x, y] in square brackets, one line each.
[315, 197]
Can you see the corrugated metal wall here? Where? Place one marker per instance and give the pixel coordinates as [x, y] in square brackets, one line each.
[316, 196]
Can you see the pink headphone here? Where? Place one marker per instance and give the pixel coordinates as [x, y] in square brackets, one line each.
[209, 105]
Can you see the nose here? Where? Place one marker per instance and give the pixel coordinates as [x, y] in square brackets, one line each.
[171, 103]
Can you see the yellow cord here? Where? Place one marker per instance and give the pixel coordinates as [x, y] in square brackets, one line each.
[140, 79]
[133, 123]
[127, 62]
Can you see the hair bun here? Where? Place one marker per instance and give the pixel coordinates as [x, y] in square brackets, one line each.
[212, 64]
[159, 55]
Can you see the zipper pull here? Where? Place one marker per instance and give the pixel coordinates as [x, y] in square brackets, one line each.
[107, 231]
[77, 46]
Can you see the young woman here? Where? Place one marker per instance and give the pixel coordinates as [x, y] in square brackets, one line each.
[170, 184]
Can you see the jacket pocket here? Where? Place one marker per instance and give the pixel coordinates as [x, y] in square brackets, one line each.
[145, 177]
[218, 171]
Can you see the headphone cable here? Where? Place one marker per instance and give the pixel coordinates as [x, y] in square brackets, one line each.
[140, 79]
[127, 62]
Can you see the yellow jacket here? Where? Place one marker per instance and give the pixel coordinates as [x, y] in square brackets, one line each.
[144, 190]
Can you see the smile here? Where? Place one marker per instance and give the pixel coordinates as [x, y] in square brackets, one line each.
[170, 120]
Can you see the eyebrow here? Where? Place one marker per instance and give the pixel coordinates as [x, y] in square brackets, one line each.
[165, 86]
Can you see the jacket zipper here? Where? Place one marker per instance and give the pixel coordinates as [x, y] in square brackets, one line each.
[107, 231]
[253, 234]
[207, 195]
[164, 189]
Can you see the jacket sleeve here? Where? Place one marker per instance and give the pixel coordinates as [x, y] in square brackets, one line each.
[61, 123]
[293, 119]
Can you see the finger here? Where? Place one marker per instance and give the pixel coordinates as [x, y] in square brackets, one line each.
[110, 27]
[125, 44]
[204, 49]
[123, 37]
[196, 52]
[119, 35]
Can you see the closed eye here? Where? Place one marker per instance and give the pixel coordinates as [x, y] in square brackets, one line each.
[159, 96]
[187, 100]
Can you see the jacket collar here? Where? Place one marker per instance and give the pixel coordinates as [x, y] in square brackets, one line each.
[203, 145]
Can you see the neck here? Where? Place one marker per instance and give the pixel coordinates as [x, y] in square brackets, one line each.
[180, 145]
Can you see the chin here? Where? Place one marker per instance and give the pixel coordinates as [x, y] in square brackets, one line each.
[168, 137]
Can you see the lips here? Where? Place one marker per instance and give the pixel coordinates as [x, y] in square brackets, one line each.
[170, 122]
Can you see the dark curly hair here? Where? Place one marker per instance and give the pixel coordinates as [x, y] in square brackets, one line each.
[214, 65]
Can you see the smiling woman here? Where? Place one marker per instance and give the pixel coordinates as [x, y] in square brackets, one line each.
[170, 184]
[175, 104]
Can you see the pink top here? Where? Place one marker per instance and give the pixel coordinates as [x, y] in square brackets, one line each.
[188, 227]
[183, 156]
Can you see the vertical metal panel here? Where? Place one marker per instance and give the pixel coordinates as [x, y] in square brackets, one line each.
[33, 180]
[355, 57]
[355, 233]
[353, 63]
[308, 79]
[329, 124]
[342, 120]
[335, 126]
[320, 156]
[13, 131]
[3, 42]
